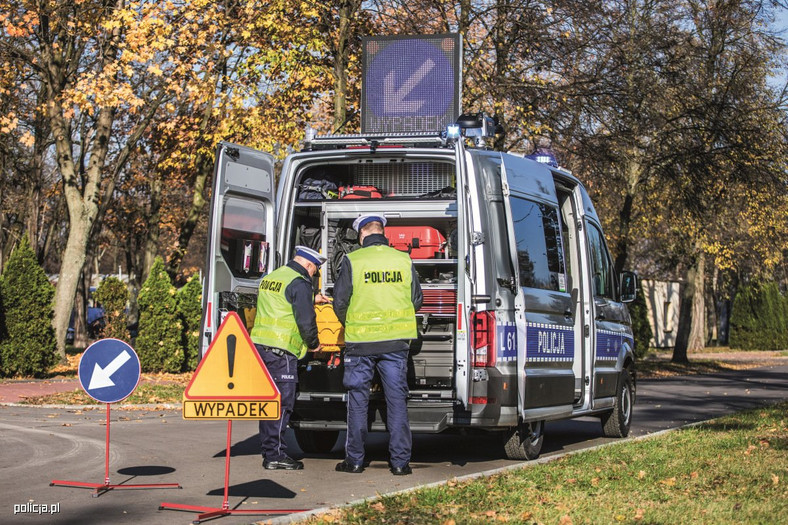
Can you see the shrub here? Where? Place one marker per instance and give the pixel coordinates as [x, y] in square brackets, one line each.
[113, 295]
[159, 339]
[641, 328]
[759, 318]
[28, 339]
[189, 301]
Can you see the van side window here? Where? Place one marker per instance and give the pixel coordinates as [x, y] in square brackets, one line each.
[601, 268]
[540, 253]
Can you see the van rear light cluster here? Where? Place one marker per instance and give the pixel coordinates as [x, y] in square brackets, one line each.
[483, 338]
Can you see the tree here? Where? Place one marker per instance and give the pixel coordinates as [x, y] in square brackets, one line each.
[159, 342]
[113, 296]
[27, 339]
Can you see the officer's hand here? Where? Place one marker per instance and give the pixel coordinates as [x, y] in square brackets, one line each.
[318, 349]
[321, 299]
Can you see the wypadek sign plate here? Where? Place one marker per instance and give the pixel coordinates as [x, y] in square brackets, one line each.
[410, 83]
[231, 381]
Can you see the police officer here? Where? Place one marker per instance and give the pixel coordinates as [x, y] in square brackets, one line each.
[376, 295]
[284, 328]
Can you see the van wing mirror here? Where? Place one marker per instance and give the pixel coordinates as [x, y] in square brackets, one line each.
[629, 286]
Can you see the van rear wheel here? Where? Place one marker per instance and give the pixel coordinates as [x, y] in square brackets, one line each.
[524, 441]
[616, 422]
[316, 441]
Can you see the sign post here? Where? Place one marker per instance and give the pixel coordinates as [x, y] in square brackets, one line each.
[231, 382]
[109, 371]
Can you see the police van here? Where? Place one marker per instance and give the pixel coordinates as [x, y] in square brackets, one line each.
[524, 318]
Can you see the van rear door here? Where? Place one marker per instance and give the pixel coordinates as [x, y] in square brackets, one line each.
[546, 381]
[240, 237]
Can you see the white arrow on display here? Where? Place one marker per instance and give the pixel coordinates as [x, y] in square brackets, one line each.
[101, 376]
[394, 101]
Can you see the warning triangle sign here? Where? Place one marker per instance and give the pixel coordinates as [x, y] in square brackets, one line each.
[231, 368]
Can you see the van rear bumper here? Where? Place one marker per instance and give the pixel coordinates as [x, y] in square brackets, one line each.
[324, 411]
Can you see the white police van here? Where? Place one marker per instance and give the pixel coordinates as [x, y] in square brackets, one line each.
[523, 319]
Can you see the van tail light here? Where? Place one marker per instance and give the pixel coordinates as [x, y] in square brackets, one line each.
[483, 326]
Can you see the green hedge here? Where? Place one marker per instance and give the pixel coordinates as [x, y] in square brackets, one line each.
[27, 339]
[189, 304]
[158, 342]
[759, 318]
[113, 296]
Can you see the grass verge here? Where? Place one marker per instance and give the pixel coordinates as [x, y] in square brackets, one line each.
[730, 470]
[147, 392]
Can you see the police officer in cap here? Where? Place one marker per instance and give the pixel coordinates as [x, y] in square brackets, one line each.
[284, 329]
[376, 295]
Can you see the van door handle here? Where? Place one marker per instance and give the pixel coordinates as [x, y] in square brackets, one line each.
[600, 316]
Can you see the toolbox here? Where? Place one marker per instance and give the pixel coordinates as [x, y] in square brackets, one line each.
[421, 242]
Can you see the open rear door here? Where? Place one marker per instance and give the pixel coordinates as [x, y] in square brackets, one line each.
[240, 237]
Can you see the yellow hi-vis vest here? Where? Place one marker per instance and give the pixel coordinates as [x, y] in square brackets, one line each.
[380, 306]
[274, 322]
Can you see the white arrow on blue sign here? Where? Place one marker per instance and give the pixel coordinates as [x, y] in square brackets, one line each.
[111, 370]
[410, 77]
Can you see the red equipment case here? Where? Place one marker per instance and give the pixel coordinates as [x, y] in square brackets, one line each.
[421, 242]
[359, 192]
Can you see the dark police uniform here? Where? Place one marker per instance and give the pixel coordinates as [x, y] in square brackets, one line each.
[376, 295]
[284, 329]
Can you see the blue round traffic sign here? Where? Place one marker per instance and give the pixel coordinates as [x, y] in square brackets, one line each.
[109, 370]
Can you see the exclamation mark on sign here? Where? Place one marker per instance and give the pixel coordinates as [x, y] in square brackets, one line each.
[231, 358]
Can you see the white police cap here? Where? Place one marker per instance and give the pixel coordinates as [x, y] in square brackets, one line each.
[310, 255]
[363, 220]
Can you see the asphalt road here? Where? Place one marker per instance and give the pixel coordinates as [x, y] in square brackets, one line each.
[39, 445]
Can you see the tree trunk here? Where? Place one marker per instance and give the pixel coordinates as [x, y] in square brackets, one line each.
[691, 335]
[70, 271]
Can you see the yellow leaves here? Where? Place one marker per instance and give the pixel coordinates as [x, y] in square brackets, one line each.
[378, 506]
[775, 479]
[8, 123]
[27, 139]
[641, 474]
[669, 482]
[154, 69]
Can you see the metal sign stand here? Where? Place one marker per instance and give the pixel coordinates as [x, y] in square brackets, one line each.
[101, 488]
[225, 510]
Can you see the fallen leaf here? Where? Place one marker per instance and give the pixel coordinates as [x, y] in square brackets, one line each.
[694, 475]
[595, 481]
[775, 480]
[449, 522]
[669, 482]
[451, 482]
[380, 507]
[571, 481]
[639, 513]
[491, 513]
[66, 425]
[764, 443]
[526, 515]
[565, 520]
[641, 474]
